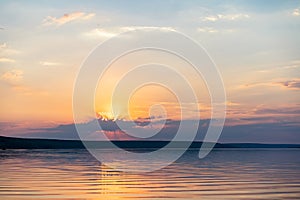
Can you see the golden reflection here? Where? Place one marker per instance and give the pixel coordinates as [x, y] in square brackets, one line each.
[115, 185]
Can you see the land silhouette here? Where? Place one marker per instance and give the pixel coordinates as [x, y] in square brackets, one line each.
[35, 143]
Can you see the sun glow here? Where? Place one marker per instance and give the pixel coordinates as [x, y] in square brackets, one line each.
[106, 116]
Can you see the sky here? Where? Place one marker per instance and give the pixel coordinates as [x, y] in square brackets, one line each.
[254, 44]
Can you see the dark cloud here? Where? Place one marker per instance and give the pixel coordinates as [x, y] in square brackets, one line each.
[59, 132]
[273, 132]
[292, 84]
[111, 129]
[277, 111]
[283, 132]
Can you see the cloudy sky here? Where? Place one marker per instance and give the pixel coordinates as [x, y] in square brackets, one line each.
[255, 45]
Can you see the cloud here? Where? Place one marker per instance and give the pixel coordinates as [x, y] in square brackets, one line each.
[292, 84]
[230, 103]
[252, 85]
[7, 60]
[11, 128]
[3, 46]
[6, 50]
[263, 113]
[207, 30]
[28, 91]
[279, 68]
[132, 28]
[213, 30]
[14, 80]
[291, 66]
[96, 33]
[12, 76]
[277, 132]
[296, 12]
[278, 111]
[258, 131]
[46, 63]
[289, 84]
[111, 130]
[113, 31]
[225, 17]
[66, 18]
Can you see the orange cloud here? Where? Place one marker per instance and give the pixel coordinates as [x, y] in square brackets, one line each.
[12, 76]
[67, 18]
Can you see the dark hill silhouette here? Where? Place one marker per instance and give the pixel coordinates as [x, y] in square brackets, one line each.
[28, 143]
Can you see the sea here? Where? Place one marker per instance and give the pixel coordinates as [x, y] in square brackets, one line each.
[224, 174]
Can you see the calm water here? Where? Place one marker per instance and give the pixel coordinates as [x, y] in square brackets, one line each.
[226, 174]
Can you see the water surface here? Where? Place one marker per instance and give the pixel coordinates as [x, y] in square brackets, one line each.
[224, 174]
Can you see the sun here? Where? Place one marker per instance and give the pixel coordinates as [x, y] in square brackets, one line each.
[106, 116]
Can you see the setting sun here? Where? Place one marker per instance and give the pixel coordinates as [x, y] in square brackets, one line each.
[106, 116]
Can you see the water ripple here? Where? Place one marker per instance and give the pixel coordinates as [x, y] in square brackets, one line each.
[74, 174]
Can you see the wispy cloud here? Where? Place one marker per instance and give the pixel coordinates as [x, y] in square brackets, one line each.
[207, 30]
[7, 60]
[293, 84]
[259, 84]
[12, 76]
[231, 103]
[3, 46]
[214, 30]
[278, 68]
[48, 64]
[225, 17]
[6, 50]
[282, 110]
[22, 89]
[162, 28]
[14, 80]
[113, 31]
[66, 18]
[263, 113]
[96, 33]
[296, 12]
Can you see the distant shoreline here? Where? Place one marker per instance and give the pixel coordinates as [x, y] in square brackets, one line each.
[28, 143]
